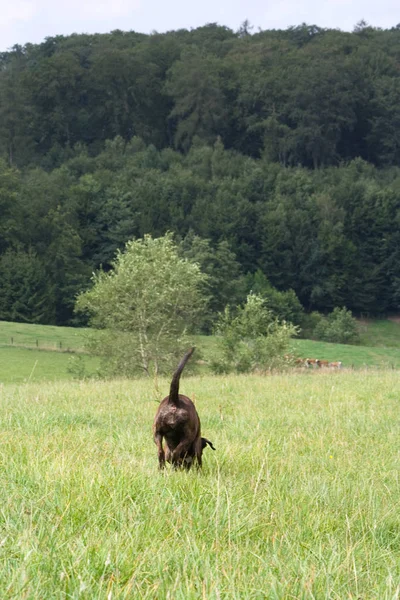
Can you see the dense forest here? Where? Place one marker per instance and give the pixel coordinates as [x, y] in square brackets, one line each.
[273, 153]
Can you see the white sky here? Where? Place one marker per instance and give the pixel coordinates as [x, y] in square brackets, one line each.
[23, 21]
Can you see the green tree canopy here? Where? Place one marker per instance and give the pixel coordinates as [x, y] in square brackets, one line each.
[145, 307]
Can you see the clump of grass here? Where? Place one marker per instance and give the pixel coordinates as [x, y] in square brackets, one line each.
[300, 500]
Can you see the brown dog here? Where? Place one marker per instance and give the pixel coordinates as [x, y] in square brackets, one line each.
[177, 421]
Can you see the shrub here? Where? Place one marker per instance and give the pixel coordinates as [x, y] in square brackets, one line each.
[252, 339]
[339, 327]
[76, 367]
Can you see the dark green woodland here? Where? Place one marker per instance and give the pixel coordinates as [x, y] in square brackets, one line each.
[272, 156]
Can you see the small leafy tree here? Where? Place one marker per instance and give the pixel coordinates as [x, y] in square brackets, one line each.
[252, 339]
[143, 308]
[339, 327]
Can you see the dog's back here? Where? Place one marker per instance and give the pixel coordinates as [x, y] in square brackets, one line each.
[177, 411]
[178, 423]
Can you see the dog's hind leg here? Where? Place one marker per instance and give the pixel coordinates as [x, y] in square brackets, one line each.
[199, 452]
[161, 455]
[178, 454]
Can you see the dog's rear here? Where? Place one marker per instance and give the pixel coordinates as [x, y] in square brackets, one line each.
[178, 423]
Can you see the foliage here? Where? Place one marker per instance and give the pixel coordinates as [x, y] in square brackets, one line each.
[309, 323]
[9, 187]
[77, 367]
[252, 339]
[199, 105]
[332, 237]
[25, 294]
[338, 100]
[109, 137]
[223, 285]
[339, 327]
[285, 306]
[144, 307]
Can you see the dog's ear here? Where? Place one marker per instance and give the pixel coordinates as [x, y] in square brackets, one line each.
[205, 442]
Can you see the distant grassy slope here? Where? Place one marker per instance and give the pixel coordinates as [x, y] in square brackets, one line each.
[350, 356]
[379, 346]
[22, 361]
[45, 336]
[382, 332]
[18, 365]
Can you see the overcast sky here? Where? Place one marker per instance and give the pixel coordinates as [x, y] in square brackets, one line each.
[23, 21]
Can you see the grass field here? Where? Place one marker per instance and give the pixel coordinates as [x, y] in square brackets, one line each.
[42, 352]
[381, 332]
[350, 356]
[21, 365]
[45, 337]
[300, 500]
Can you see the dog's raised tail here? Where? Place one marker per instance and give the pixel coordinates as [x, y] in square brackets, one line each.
[174, 389]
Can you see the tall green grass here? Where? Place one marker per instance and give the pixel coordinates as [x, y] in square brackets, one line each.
[21, 365]
[300, 500]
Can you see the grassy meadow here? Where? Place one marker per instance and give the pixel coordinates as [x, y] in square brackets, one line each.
[358, 357]
[22, 365]
[43, 337]
[380, 332]
[30, 353]
[33, 353]
[300, 500]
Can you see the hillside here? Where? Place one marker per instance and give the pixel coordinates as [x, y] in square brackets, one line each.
[106, 138]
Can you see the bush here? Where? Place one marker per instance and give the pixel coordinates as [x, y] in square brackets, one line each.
[253, 339]
[285, 306]
[339, 327]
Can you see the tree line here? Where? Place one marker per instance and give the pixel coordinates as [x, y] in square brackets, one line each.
[303, 96]
[270, 156]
